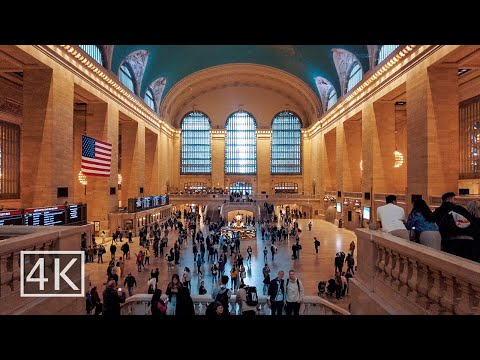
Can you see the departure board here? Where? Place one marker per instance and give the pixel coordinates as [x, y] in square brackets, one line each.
[54, 215]
[76, 214]
[11, 217]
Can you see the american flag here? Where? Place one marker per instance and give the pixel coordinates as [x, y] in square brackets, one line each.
[96, 157]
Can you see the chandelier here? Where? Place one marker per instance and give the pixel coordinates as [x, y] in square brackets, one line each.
[82, 178]
[398, 159]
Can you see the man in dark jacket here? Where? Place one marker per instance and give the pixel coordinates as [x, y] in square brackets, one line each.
[276, 293]
[112, 300]
[455, 240]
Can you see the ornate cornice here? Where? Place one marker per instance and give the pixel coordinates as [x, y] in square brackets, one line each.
[400, 63]
[73, 60]
[10, 107]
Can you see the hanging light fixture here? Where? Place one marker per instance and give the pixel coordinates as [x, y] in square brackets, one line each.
[397, 154]
[398, 158]
[82, 178]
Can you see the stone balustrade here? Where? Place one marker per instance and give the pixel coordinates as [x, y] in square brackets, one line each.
[139, 304]
[403, 277]
[44, 238]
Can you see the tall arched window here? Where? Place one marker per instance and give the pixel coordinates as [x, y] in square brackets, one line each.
[149, 99]
[286, 144]
[332, 98]
[241, 144]
[126, 77]
[196, 144]
[384, 51]
[94, 52]
[9, 160]
[355, 76]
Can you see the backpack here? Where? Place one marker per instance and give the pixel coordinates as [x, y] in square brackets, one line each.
[298, 284]
[252, 297]
[223, 298]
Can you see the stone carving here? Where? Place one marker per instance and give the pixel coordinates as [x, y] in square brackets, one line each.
[343, 60]
[157, 87]
[10, 107]
[324, 87]
[372, 55]
[137, 60]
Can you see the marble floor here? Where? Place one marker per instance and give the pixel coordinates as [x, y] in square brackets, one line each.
[310, 268]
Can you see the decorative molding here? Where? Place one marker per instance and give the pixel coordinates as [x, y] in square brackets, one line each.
[10, 107]
[138, 61]
[104, 81]
[157, 87]
[343, 60]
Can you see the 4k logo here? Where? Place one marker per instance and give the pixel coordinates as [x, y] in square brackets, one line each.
[52, 273]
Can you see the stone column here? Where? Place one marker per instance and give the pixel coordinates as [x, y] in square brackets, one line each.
[264, 180]
[152, 171]
[432, 128]
[46, 137]
[352, 154]
[218, 160]
[330, 160]
[368, 140]
[133, 159]
[383, 148]
[307, 166]
[102, 124]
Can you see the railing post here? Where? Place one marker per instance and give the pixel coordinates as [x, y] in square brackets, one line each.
[413, 281]
[462, 307]
[404, 270]
[435, 292]
[448, 298]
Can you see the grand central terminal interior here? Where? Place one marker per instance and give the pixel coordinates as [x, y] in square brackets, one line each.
[319, 179]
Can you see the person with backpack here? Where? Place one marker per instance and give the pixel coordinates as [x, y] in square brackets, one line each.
[222, 294]
[247, 299]
[158, 306]
[294, 293]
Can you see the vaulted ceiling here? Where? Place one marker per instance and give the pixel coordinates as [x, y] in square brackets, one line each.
[175, 62]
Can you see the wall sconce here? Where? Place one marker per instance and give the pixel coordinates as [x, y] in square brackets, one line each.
[120, 179]
[82, 178]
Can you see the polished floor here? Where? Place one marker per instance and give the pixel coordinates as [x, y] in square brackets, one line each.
[310, 268]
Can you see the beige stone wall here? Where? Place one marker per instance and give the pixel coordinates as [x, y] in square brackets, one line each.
[427, 132]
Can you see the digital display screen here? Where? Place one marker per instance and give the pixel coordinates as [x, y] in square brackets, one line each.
[366, 212]
[339, 207]
[54, 215]
[145, 203]
[13, 217]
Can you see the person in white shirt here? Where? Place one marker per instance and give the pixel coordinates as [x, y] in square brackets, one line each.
[391, 218]
[294, 293]
[151, 285]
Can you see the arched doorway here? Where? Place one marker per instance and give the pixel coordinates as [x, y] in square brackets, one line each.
[241, 187]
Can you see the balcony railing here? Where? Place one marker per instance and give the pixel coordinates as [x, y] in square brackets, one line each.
[314, 305]
[415, 279]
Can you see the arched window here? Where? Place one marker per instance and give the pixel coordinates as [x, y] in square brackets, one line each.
[355, 76]
[94, 52]
[241, 144]
[196, 144]
[126, 77]
[286, 144]
[9, 161]
[149, 99]
[384, 51]
[332, 98]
